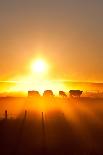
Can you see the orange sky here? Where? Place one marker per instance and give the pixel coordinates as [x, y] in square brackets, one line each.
[67, 34]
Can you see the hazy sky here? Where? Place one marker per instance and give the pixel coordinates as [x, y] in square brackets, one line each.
[67, 33]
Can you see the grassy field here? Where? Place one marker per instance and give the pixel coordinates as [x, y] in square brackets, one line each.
[51, 126]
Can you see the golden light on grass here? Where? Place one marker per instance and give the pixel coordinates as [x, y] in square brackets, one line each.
[39, 66]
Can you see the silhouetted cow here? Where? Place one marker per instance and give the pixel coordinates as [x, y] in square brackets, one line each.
[48, 93]
[33, 93]
[62, 94]
[75, 93]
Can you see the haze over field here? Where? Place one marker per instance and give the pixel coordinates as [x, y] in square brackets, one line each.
[21, 88]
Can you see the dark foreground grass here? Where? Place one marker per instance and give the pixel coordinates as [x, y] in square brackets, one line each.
[77, 130]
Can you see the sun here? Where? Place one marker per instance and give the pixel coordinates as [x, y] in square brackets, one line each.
[39, 66]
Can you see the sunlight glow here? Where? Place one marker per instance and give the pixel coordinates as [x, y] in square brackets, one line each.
[39, 85]
[39, 66]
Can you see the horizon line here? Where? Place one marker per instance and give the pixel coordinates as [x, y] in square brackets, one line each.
[18, 81]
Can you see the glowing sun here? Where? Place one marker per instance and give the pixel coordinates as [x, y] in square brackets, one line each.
[39, 66]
